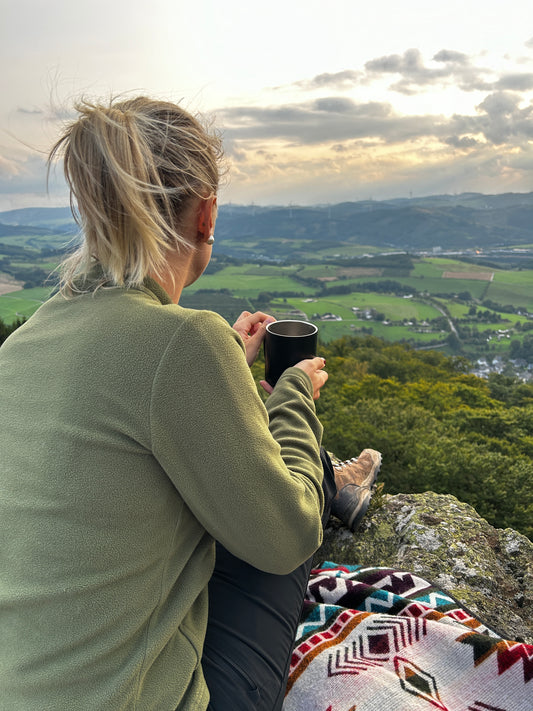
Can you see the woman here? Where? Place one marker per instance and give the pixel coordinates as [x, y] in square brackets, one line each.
[134, 437]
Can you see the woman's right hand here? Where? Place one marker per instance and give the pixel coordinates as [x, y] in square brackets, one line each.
[314, 369]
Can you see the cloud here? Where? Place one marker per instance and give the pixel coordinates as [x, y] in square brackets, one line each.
[335, 105]
[410, 66]
[364, 169]
[453, 68]
[8, 169]
[334, 143]
[450, 55]
[26, 175]
[52, 112]
[500, 104]
[338, 132]
[410, 62]
[499, 118]
[502, 120]
[338, 80]
[412, 74]
[30, 112]
[465, 142]
[450, 67]
[515, 82]
[326, 120]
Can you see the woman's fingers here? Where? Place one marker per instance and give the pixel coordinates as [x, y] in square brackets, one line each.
[251, 328]
[314, 367]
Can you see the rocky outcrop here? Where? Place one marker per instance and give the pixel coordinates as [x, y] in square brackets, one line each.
[488, 570]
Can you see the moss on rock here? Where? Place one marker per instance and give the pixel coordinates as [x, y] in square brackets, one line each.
[489, 570]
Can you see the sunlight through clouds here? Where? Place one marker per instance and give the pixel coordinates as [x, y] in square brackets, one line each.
[316, 103]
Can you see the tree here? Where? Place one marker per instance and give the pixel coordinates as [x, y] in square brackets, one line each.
[437, 426]
[6, 330]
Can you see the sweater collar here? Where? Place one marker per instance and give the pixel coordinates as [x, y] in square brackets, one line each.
[96, 278]
[157, 290]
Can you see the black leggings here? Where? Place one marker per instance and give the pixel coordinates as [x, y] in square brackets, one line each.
[252, 624]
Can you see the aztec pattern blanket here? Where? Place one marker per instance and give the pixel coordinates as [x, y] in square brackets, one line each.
[376, 639]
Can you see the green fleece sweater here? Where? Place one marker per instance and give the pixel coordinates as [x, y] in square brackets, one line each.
[132, 437]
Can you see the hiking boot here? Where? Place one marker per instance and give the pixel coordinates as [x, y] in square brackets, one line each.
[355, 479]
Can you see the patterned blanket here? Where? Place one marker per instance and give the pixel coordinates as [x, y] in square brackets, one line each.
[376, 639]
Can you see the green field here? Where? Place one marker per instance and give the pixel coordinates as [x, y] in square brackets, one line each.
[510, 287]
[415, 318]
[250, 280]
[394, 308]
[22, 303]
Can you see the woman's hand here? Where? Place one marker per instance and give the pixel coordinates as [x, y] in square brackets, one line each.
[314, 369]
[252, 328]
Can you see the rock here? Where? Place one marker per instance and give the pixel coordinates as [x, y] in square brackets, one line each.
[488, 570]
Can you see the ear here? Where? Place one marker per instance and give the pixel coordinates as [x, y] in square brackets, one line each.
[207, 216]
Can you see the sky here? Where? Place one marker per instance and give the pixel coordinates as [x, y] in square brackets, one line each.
[317, 102]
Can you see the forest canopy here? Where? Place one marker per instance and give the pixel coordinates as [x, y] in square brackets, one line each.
[438, 427]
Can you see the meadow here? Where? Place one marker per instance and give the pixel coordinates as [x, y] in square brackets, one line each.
[442, 288]
[249, 280]
[22, 303]
[457, 284]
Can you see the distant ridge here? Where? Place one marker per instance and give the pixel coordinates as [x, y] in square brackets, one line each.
[464, 221]
[35, 215]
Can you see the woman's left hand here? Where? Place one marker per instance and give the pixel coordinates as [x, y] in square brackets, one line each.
[251, 328]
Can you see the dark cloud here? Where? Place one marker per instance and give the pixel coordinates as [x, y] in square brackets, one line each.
[335, 104]
[501, 103]
[449, 55]
[515, 82]
[413, 74]
[307, 124]
[500, 118]
[453, 68]
[464, 142]
[323, 121]
[408, 62]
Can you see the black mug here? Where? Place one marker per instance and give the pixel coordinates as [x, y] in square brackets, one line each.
[287, 343]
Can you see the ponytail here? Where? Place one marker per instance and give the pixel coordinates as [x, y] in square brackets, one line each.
[132, 168]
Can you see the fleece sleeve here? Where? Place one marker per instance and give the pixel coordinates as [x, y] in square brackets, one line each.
[251, 477]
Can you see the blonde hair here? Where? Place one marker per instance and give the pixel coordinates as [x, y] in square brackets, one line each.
[132, 168]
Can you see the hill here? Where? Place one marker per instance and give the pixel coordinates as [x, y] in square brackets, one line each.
[469, 220]
[51, 217]
[446, 222]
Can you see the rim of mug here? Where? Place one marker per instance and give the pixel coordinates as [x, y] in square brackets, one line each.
[292, 335]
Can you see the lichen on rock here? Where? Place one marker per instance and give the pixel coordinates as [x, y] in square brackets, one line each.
[488, 570]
